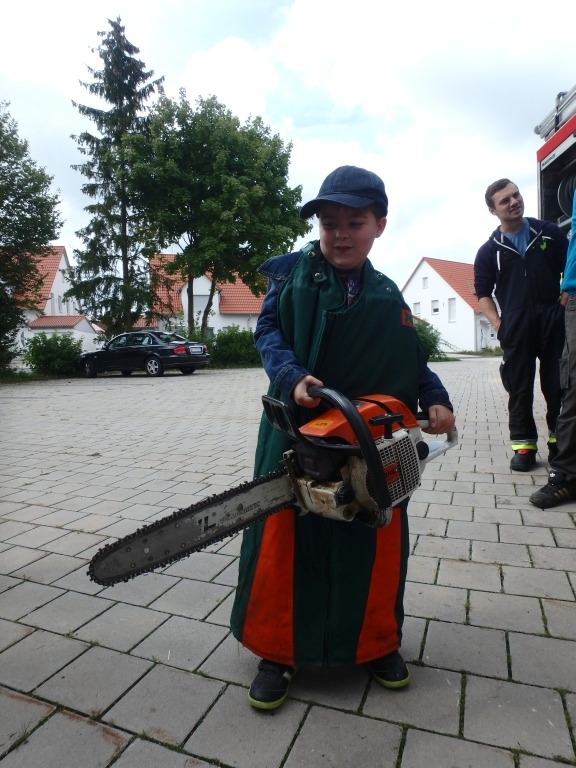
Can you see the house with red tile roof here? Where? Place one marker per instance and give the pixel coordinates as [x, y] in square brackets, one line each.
[442, 292]
[233, 303]
[53, 312]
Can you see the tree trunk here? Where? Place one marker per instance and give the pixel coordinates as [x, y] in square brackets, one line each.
[190, 294]
[206, 313]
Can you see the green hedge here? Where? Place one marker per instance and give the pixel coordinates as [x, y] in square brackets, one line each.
[233, 348]
[53, 355]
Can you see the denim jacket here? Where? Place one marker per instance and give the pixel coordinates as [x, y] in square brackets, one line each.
[280, 363]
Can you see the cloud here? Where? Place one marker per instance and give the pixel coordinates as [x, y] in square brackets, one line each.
[438, 98]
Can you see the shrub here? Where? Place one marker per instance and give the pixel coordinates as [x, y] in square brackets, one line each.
[53, 355]
[233, 348]
[430, 338]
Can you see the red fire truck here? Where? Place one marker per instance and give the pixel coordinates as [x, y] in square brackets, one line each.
[557, 161]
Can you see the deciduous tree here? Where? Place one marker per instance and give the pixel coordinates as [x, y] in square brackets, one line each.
[29, 220]
[217, 189]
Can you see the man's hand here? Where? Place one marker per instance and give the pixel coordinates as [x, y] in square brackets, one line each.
[300, 392]
[441, 420]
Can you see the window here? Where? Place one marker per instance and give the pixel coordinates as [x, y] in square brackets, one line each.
[451, 310]
[424, 282]
[416, 310]
[435, 306]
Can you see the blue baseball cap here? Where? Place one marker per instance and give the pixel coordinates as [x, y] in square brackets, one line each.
[351, 186]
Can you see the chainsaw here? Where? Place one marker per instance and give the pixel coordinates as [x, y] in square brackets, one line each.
[354, 462]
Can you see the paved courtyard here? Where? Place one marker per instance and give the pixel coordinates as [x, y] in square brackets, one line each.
[146, 674]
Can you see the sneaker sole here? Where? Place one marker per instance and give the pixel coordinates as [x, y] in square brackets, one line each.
[392, 685]
[267, 705]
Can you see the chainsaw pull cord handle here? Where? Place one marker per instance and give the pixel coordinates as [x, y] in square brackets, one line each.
[365, 441]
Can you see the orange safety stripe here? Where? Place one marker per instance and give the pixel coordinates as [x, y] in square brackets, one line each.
[379, 633]
[268, 622]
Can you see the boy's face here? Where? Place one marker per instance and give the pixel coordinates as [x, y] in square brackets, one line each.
[347, 234]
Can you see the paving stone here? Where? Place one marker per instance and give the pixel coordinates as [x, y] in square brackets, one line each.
[516, 717]
[20, 715]
[35, 658]
[436, 546]
[555, 558]
[537, 582]
[75, 543]
[50, 568]
[462, 529]
[141, 591]
[512, 612]
[15, 558]
[427, 526]
[508, 554]
[68, 740]
[342, 688]
[544, 661]
[121, 627]
[94, 681]
[422, 569]
[165, 705]
[325, 737]
[180, 642]
[144, 754]
[429, 749]
[431, 701]
[67, 612]
[560, 618]
[11, 633]
[519, 534]
[26, 597]
[469, 649]
[236, 734]
[468, 575]
[194, 599]
[435, 602]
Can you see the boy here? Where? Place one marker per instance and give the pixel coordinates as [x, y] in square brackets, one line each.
[313, 591]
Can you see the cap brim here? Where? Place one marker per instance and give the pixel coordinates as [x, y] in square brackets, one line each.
[350, 201]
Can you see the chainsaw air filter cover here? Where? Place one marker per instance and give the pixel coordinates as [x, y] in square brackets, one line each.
[401, 467]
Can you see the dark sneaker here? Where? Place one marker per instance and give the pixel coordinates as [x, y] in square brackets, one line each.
[269, 688]
[390, 671]
[556, 491]
[523, 460]
[552, 451]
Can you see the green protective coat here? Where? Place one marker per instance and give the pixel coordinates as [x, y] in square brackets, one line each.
[304, 581]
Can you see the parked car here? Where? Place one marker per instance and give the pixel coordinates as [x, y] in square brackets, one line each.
[149, 351]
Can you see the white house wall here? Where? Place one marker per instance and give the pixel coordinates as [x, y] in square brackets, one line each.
[216, 321]
[458, 332]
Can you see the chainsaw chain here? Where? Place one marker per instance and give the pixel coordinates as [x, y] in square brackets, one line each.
[177, 515]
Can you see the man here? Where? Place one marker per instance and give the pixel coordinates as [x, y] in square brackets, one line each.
[561, 486]
[522, 264]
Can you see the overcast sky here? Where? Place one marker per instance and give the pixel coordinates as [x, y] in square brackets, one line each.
[438, 98]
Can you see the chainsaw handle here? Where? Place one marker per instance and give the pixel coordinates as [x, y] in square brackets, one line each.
[438, 447]
[365, 441]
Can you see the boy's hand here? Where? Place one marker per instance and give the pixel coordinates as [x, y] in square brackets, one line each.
[441, 420]
[300, 392]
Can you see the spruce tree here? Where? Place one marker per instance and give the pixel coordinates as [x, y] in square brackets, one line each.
[110, 279]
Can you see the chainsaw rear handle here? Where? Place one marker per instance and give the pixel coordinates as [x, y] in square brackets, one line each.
[281, 417]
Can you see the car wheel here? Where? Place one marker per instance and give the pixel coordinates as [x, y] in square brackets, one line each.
[153, 367]
[89, 368]
[126, 373]
[187, 371]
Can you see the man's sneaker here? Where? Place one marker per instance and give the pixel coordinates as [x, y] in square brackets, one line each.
[390, 671]
[523, 460]
[552, 451]
[556, 491]
[269, 688]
